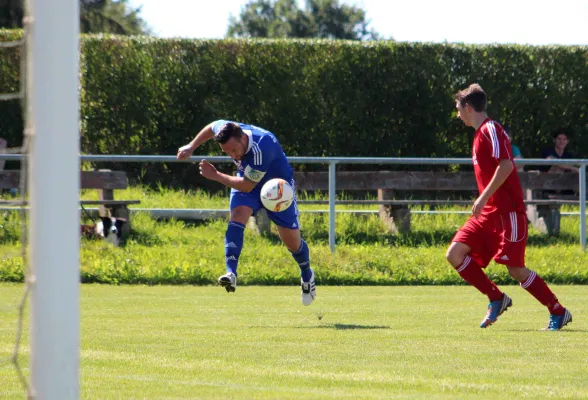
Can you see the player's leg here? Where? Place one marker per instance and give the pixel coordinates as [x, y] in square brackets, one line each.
[242, 207]
[536, 286]
[299, 249]
[288, 229]
[468, 256]
[559, 316]
[512, 254]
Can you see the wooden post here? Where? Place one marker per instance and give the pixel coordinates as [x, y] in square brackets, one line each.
[105, 194]
[550, 215]
[396, 218]
[115, 211]
[544, 217]
[532, 213]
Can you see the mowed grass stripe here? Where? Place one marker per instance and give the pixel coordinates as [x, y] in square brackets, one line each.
[373, 342]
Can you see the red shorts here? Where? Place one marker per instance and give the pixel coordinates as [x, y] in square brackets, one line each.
[502, 237]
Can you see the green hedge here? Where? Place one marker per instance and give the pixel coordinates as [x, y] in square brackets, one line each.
[144, 95]
[11, 120]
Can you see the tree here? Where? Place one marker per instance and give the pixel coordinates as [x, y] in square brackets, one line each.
[319, 19]
[96, 16]
[11, 13]
[111, 16]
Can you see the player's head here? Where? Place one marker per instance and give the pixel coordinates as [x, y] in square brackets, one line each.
[560, 139]
[470, 101]
[232, 140]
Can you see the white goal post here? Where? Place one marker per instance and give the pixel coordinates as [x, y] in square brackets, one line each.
[52, 113]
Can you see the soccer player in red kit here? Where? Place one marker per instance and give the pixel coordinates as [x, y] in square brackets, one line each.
[497, 229]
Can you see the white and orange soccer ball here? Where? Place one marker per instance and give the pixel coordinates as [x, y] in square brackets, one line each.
[277, 195]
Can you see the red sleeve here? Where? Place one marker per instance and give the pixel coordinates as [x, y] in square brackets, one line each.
[495, 141]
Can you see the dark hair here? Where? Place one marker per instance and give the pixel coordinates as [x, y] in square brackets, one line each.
[561, 131]
[228, 130]
[474, 95]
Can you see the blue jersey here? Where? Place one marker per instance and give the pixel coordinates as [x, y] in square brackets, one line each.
[264, 158]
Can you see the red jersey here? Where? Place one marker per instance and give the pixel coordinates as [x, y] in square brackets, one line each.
[491, 145]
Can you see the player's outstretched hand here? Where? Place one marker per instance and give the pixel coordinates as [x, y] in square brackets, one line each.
[207, 170]
[184, 152]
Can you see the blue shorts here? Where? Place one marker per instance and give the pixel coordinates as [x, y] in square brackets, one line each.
[286, 219]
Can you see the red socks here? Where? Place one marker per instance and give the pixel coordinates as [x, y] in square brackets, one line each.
[539, 289]
[473, 274]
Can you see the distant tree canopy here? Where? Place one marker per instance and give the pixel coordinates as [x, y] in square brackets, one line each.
[96, 16]
[327, 19]
[111, 16]
[11, 13]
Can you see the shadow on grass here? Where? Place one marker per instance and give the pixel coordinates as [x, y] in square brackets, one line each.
[438, 237]
[345, 327]
[349, 236]
[543, 330]
[150, 238]
[413, 238]
[545, 240]
[144, 238]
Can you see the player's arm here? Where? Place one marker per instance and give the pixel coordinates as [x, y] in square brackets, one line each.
[503, 170]
[242, 184]
[253, 173]
[496, 145]
[203, 136]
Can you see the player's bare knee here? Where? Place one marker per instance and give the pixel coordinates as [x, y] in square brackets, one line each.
[449, 255]
[241, 214]
[454, 258]
[456, 253]
[520, 274]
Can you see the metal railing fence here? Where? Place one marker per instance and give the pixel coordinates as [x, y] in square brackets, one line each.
[332, 163]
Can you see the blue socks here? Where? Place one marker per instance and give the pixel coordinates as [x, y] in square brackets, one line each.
[302, 257]
[233, 245]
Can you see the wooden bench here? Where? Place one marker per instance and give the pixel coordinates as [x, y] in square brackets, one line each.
[395, 213]
[104, 181]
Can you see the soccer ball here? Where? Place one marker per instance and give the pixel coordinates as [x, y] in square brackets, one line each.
[277, 195]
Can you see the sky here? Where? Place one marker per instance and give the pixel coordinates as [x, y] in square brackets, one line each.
[539, 22]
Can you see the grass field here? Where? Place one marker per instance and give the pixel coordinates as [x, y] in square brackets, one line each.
[180, 342]
[382, 340]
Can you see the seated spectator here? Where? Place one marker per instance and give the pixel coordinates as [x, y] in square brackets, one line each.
[558, 151]
[516, 152]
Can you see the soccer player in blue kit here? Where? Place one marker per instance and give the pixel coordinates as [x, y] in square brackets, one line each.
[259, 158]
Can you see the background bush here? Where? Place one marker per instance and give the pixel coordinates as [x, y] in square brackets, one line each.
[145, 95]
